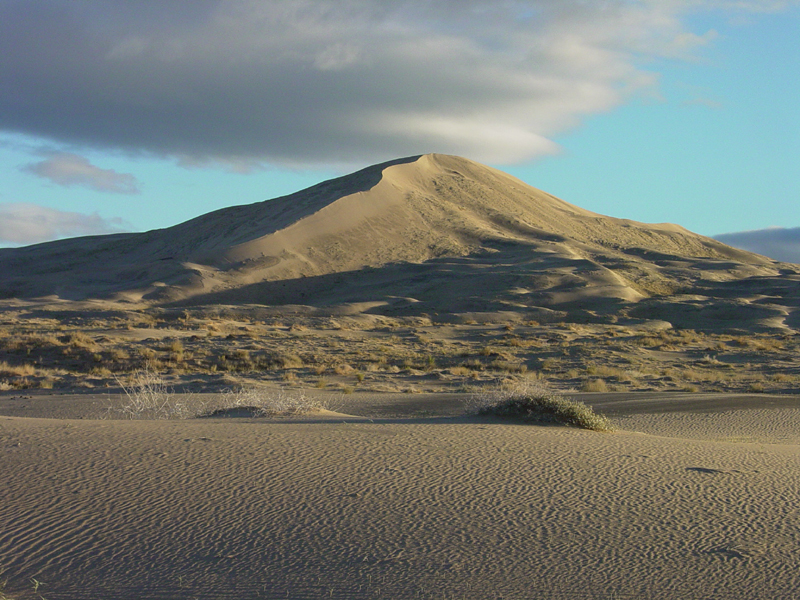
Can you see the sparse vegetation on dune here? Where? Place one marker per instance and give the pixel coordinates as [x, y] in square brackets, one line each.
[535, 403]
[258, 402]
[83, 350]
[147, 396]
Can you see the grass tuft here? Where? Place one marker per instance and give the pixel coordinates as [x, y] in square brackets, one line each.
[534, 403]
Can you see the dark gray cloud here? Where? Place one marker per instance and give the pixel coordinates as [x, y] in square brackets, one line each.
[312, 81]
[23, 223]
[776, 242]
[68, 169]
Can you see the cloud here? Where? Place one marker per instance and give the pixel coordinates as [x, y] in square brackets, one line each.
[302, 82]
[23, 223]
[67, 169]
[776, 242]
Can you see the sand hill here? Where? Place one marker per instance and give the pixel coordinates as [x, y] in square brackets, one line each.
[432, 234]
[432, 276]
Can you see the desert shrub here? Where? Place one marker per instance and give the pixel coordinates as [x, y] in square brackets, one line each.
[280, 361]
[261, 403]
[80, 340]
[343, 369]
[534, 403]
[549, 364]
[508, 367]
[148, 397]
[461, 370]
[472, 365]
[147, 353]
[782, 377]
[594, 385]
[174, 346]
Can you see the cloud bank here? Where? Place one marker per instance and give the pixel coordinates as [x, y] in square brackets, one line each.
[22, 223]
[311, 82]
[68, 169]
[776, 242]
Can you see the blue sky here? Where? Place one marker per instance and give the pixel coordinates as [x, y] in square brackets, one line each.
[115, 117]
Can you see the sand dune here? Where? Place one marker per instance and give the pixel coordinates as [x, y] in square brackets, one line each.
[398, 508]
[384, 234]
[428, 273]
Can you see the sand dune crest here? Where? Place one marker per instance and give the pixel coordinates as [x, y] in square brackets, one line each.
[388, 231]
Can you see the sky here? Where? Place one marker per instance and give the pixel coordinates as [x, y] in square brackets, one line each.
[118, 115]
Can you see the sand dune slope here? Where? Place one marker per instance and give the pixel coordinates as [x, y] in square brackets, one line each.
[386, 233]
[392, 509]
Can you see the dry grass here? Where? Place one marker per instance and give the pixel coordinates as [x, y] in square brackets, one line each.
[148, 397]
[594, 385]
[78, 349]
[262, 403]
[22, 370]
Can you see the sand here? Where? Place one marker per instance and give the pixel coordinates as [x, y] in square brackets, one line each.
[693, 503]
[432, 234]
[429, 274]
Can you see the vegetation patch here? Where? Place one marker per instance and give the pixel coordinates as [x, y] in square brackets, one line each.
[533, 403]
[254, 402]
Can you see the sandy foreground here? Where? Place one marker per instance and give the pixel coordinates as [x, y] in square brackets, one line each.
[697, 496]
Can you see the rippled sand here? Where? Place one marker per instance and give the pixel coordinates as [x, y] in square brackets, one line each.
[331, 507]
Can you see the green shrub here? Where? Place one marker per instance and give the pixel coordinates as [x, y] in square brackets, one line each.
[533, 403]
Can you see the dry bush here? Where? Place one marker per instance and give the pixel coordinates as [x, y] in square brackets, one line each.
[281, 361]
[461, 370]
[550, 364]
[259, 402]
[147, 353]
[80, 340]
[148, 397]
[711, 361]
[594, 385]
[505, 366]
[782, 377]
[534, 403]
[343, 369]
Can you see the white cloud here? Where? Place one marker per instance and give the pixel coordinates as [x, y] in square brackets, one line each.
[68, 169]
[23, 223]
[313, 82]
[776, 242]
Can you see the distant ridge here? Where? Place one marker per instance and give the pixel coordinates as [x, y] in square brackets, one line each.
[432, 233]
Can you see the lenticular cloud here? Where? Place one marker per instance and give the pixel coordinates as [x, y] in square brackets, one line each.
[310, 82]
